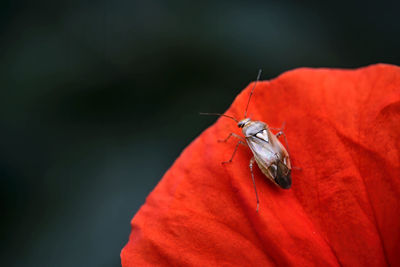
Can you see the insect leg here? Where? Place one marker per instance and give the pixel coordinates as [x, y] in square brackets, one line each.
[231, 134]
[234, 152]
[284, 137]
[287, 146]
[254, 183]
[279, 129]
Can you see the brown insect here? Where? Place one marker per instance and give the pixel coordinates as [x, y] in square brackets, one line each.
[271, 156]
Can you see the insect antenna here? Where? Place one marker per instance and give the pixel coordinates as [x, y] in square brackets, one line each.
[252, 90]
[218, 114]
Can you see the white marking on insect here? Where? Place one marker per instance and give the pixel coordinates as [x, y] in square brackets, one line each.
[263, 136]
[271, 156]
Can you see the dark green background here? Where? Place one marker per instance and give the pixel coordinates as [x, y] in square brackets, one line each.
[98, 98]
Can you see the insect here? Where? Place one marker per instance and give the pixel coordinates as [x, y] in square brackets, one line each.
[268, 152]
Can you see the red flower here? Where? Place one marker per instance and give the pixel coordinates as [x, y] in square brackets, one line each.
[344, 205]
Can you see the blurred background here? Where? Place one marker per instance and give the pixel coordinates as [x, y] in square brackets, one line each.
[98, 98]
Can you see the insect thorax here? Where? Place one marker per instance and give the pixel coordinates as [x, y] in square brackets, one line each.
[251, 128]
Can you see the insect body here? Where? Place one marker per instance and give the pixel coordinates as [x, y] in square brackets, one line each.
[269, 153]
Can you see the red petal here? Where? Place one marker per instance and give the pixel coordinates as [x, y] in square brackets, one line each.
[344, 206]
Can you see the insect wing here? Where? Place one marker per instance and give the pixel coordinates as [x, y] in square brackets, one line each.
[269, 155]
[263, 153]
[283, 177]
